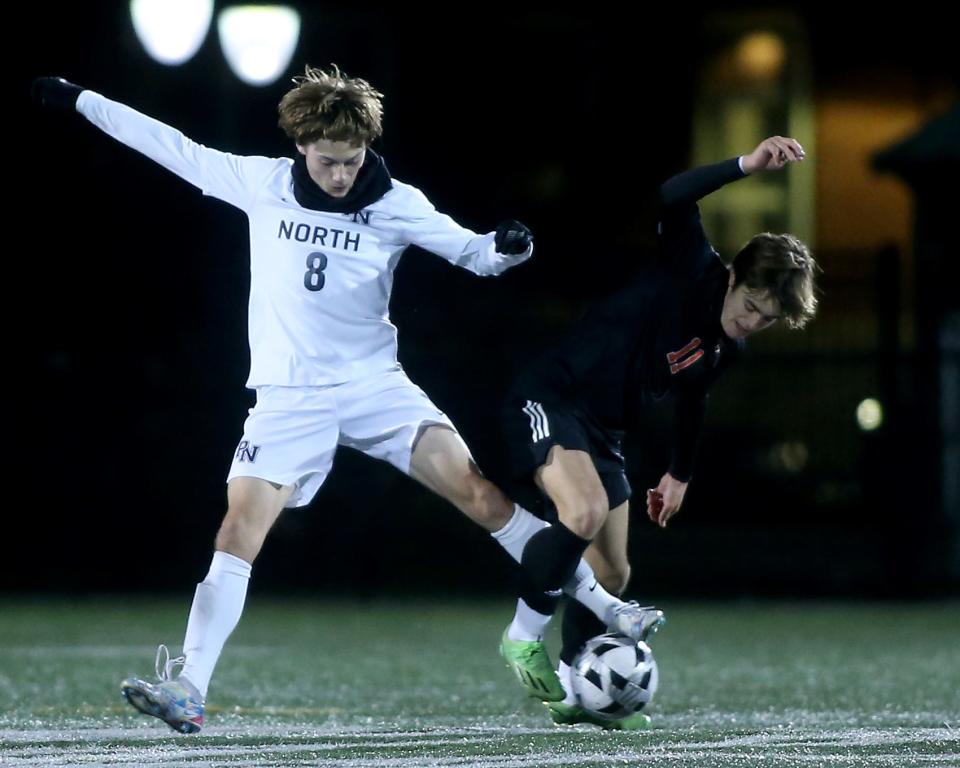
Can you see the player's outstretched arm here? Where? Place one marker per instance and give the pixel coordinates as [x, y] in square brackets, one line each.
[490, 254]
[232, 178]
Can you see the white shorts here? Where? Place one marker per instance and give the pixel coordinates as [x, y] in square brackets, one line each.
[292, 433]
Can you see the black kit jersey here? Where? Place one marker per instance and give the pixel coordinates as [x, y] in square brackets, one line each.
[658, 337]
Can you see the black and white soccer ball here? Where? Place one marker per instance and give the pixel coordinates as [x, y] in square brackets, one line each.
[614, 677]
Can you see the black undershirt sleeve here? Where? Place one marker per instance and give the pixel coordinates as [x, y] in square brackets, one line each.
[688, 413]
[683, 242]
[689, 409]
[684, 189]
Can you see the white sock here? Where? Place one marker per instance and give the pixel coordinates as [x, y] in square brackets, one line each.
[566, 680]
[527, 624]
[217, 605]
[514, 536]
[582, 587]
[586, 590]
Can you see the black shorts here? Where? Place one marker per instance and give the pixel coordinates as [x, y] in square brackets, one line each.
[532, 428]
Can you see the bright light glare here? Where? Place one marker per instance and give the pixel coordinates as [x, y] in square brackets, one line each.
[869, 414]
[258, 41]
[171, 31]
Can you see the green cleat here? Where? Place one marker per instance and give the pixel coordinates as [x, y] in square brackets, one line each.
[530, 663]
[571, 714]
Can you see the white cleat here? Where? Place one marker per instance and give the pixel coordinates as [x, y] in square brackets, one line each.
[637, 622]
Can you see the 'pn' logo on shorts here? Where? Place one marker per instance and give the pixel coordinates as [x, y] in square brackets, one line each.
[247, 452]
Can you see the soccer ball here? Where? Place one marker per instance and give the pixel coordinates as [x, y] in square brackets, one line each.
[613, 676]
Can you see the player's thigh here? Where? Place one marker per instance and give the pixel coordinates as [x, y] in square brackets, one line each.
[573, 484]
[256, 503]
[253, 506]
[549, 447]
[442, 462]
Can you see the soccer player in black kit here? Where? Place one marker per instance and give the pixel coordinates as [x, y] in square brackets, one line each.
[669, 333]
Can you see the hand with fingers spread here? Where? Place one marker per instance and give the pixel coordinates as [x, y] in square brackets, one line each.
[772, 154]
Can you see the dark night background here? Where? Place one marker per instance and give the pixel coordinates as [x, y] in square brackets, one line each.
[126, 309]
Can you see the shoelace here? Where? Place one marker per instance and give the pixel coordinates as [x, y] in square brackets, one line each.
[627, 608]
[635, 611]
[164, 669]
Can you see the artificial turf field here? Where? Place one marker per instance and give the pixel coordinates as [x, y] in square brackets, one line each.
[405, 684]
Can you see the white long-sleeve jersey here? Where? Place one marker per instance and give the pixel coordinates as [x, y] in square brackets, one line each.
[320, 282]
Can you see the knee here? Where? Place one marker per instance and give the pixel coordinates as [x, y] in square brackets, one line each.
[586, 516]
[240, 534]
[486, 504]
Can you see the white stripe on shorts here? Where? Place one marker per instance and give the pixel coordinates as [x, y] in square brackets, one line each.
[538, 421]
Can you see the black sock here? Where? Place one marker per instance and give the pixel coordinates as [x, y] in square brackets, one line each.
[579, 625]
[551, 557]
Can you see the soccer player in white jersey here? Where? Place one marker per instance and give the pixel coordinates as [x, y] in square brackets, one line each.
[326, 232]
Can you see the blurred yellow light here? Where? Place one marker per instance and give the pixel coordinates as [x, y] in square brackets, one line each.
[793, 456]
[761, 55]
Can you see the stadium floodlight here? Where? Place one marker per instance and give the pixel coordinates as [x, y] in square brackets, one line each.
[171, 31]
[258, 41]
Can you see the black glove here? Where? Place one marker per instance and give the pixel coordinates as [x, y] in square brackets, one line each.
[512, 238]
[55, 93]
